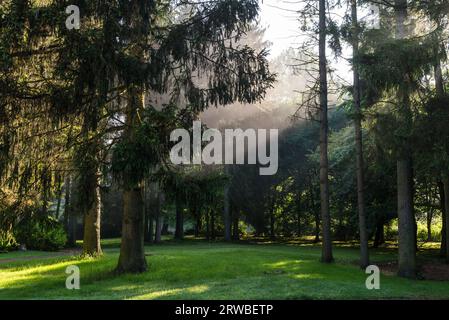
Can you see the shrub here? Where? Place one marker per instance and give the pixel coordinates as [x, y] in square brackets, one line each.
[42, 234]
[7, 241]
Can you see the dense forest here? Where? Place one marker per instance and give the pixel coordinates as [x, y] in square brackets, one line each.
[86, 115]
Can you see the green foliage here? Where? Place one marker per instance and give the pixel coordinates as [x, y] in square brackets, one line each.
[7, 241]
[41, 234]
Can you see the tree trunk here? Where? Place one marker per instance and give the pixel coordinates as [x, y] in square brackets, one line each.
[207, 226]
[298, 215]
[443, 215]
[151, 228]
[444, 251]
[59, 196]
[148, 236]
[364, 254]
[159, 221]
[226, 212]
[92, 217]
[326, 256]
[236, 232]
[272, 223]
[446, 206]
[132, 251]
[317, 216]
[379, 237]
[212, 225]
[198, 225]
[429, 225]
[406, 223]
[406, 219]
[179, 232]
[68, 211]
[148, 229]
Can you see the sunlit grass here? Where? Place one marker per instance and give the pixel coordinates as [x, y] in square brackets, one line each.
[199, 270]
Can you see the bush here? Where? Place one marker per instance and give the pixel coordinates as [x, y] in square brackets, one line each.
[7, 241]
[42, 234]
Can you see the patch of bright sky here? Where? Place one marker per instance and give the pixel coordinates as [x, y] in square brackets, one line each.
[280, 18]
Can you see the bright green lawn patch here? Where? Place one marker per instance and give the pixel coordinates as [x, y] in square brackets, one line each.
[213, 271]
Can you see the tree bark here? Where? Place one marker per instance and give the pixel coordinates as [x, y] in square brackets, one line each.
[59, 196]
[272, 223]
[326, 256]
[159, 221]
[407, 230]
[226, 211]
[132, 251]
[67, 213]
[236, 232]
[298, 215]
[207, 226]
[446, 218]
[406, 219]
[179, 231]
[443, 215]
[364, 253]
[212, 225]
[379, 237]
[92, 217]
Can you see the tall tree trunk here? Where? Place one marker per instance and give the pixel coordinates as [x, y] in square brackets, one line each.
[207, 225]
[326, 256]
[132, 251]
[59, 196]
[226, 211]
[272, 223]
[316, 214]
[179, 231]
[406, 225]
[364, 253]
[379, 237]
[92, 217]
[148, 236]
[443, 185]
[148, 225]
[298, 214]
[68, 212]
[446, 206]
[212, 225]
[151, 228]
[429, 225]
[236, 231]
[197, 215]
[406, 219]
[443, 215]
[159, 221]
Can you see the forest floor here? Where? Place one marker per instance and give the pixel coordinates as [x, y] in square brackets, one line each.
[196, 269]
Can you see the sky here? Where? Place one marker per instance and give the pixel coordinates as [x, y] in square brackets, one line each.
[282, 25]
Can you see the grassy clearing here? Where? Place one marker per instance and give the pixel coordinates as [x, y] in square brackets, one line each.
[199, 270]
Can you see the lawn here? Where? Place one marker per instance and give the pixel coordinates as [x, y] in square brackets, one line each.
[200, 270]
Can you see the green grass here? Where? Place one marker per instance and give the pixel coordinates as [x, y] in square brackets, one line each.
[199, 270]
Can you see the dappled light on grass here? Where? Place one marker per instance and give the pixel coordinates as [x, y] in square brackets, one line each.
[164, 293]
[219, 271]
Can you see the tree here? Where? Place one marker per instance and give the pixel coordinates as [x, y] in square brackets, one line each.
[326, 256]
[364, 255]
[407, 228]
